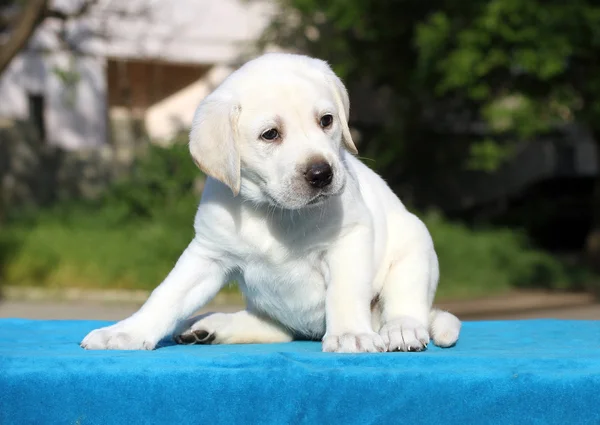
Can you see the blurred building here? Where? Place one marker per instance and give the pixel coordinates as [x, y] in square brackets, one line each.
[140, 62]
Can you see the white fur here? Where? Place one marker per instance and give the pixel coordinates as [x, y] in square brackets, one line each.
[347, 263]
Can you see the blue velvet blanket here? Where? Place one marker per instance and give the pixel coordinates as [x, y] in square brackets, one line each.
[514, 372]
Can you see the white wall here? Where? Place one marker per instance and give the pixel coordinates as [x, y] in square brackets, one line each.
[26, 74]
[187, 31]
[81, 124]
[72, 126]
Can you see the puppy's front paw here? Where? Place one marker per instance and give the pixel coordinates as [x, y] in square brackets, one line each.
[353, 343]
[120, 336]
[404, 334]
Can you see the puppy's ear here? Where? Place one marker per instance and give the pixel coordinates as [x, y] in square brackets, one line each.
[214, 140]
[342, 101]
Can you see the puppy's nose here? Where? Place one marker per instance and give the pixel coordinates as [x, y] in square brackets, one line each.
[319, 174]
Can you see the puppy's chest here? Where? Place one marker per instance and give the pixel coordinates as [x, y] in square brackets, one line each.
[290, 291]
[284, 271]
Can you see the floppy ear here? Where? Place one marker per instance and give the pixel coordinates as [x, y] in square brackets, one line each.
[214, 140]
[342, 101]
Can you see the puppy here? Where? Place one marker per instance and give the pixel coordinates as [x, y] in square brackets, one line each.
[321, 247]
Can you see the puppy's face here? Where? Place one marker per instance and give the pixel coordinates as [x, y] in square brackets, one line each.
[277, 134]
[290, 143]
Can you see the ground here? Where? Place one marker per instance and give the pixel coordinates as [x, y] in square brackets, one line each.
[512, 306]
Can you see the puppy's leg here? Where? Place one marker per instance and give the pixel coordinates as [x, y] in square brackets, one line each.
[406, 299]
[242, 327]
[348, 311]
[195, 280]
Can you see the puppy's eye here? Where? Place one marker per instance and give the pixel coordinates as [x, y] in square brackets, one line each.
[270, 134]
[326, 120]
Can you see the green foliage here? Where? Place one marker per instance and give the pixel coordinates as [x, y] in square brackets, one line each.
[157, 183]
[130, 238]
[482, 262]
[528, 65]
[487, 155]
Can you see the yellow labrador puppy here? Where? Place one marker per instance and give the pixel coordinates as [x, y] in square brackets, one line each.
[321, 247]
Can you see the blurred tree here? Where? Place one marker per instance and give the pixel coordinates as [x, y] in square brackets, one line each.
[530, 66]
[20, 18]
[493, 72]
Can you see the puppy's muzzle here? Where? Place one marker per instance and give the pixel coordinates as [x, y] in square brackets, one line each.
[319, 174]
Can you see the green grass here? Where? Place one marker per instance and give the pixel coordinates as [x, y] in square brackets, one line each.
[85, 249]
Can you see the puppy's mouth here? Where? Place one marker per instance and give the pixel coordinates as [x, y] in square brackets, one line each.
[321, 197]
[292, 202]
[318, 199]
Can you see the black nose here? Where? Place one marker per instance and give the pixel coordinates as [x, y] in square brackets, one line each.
[319, 174]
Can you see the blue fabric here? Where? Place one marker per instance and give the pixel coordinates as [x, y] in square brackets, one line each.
[514, 372]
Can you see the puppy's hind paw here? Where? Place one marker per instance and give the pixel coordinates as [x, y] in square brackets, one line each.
[192, 337]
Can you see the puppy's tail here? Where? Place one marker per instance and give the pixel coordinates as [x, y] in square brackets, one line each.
[444, 328]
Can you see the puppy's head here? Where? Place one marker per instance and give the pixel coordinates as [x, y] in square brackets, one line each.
[274, 131]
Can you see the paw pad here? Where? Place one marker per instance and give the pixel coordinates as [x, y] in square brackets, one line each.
[199, 336]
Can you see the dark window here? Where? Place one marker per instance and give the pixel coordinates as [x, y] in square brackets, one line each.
[36, 114]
